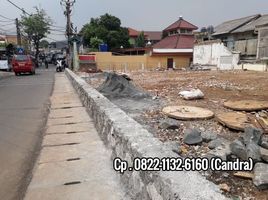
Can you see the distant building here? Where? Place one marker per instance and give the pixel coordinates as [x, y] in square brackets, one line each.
[177, 43]
[151, 37]
[234, 43]
[241, 35]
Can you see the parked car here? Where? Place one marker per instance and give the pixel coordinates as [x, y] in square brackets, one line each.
[23, 64]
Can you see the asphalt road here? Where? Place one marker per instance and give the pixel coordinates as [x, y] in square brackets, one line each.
[23, 111]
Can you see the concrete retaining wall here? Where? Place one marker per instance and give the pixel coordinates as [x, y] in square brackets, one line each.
[128, 139]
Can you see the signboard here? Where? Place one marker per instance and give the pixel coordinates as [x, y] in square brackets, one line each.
[3, 64]
[20, 50]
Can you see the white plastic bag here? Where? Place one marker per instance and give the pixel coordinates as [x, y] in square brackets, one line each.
[192, 94]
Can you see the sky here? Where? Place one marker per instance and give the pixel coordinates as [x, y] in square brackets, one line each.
[147, 15]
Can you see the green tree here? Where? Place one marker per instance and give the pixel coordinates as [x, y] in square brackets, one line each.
[140, 41]
[108, 29]
[95, 42]
[44, 44]
[36, 27]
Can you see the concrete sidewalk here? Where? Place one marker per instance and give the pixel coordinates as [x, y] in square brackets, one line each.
[74, 164]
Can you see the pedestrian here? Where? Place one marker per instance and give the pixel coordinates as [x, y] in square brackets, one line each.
[46, 63]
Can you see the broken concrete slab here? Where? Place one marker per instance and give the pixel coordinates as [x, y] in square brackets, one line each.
[252, 134]
[264, 141]
[208, 136]
[264, 154]
[260, 178]
[253, 151]
[238, 149]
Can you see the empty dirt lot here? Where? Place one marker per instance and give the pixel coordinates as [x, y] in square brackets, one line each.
[218, 87]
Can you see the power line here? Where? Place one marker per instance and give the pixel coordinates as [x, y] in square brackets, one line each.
[22, 9]
[5, 17]
[7, 24]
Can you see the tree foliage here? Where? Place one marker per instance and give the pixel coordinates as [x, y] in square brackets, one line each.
[44, 44]
[108, 29]
[140, 41]
[36, 27]
[95, 42]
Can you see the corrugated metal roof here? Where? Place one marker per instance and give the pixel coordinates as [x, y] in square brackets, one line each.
[229, 26]
[252, 24]
[176, 42]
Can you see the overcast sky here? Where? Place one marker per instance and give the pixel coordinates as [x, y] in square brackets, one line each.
[150, 15]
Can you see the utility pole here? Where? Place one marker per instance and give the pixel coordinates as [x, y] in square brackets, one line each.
[18, 32]
[68, 5]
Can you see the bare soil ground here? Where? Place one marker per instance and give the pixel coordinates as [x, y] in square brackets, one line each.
[217, 87]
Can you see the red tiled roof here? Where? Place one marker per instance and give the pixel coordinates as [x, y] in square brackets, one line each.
[153, 35]
[133, 33]
[181, 23]
[176, 42]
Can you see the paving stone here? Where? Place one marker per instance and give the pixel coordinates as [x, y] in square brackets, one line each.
[89, 150]
[84, 191]
[62, 121]
[80, 127]
[80, 137]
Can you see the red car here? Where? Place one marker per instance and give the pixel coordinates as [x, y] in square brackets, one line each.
[23, 64]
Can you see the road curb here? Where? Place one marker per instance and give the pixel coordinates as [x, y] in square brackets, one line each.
[128, 140]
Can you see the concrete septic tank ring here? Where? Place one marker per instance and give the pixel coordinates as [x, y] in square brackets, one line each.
[246, 105]
[187, 112]
[234, 120]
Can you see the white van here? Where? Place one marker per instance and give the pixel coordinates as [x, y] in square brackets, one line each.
[4, 64]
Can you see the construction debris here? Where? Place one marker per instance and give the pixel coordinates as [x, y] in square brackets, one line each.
[192, 94]
[233, 120]
[246, 105]
[246, 175]
[117, 86]
[187, 112]
[261, 176]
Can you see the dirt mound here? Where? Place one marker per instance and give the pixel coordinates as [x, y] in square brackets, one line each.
[117, 86]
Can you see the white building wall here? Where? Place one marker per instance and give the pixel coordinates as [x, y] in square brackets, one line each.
[212, 53]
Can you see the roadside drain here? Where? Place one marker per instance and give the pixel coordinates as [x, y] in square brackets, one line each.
[72, 183]
[72, 159]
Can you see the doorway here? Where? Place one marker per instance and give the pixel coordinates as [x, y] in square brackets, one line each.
[170, 63]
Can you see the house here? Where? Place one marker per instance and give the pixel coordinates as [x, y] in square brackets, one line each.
[237, 41]
[241, 35]
[177, 45]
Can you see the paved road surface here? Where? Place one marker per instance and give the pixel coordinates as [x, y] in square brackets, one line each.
[23, 103]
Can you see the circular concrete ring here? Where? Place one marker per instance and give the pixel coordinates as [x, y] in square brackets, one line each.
[246, 105]
[187, 112]
[233, 120]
